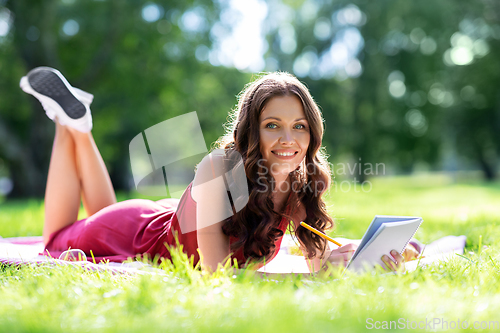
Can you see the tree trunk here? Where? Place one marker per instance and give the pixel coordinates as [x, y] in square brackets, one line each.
[30, 157]
[487, 165]
[487, 168]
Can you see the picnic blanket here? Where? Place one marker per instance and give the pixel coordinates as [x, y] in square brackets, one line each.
[442, 249]
[27, 250]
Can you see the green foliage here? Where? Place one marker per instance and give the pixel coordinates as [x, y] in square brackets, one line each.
[142, 73]
[59, 299]
[447, 205]
[447, 114]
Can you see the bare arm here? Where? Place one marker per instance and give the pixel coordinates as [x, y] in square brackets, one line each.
[213, 246]
[213, 207]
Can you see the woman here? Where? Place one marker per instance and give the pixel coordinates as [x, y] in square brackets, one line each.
[277, 131]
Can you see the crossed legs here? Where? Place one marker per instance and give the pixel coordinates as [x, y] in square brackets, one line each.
[76, 171]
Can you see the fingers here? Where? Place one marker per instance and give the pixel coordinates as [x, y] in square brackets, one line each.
[389, 264]
[347, 251]
[410, 253]
[398, 257]
[395, 264]
[337, 258]
[342, 255]
[348, 248]
[343, 259]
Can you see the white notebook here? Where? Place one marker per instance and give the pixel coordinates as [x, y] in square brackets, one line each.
[384, 234]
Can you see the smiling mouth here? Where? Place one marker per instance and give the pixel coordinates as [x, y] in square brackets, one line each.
[285, 154]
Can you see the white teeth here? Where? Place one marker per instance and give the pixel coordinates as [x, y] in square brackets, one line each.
[284, 154]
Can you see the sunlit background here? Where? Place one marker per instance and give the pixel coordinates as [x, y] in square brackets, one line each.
[412, 85]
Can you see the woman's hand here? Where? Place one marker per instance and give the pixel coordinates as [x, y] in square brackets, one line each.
[410, 252]
[396, 264]
[342, 255]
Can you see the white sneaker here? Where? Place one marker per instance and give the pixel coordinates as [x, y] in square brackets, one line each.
[59, 99]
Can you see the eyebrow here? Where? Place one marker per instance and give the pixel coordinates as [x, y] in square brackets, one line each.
[278, 119]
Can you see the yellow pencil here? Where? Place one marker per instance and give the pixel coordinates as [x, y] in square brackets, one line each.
[319, 233]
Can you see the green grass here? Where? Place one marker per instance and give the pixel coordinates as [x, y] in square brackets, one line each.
[62, 299]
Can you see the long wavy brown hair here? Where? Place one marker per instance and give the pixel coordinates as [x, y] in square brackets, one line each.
[256, 226]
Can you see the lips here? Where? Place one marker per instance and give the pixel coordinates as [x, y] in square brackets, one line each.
[285, 153]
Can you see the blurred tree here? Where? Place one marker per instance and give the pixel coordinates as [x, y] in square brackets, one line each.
[399, 82]
[140, 59]
[474, 83]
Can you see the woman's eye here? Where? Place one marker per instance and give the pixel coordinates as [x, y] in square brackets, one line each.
[271, 125]
[300, 126]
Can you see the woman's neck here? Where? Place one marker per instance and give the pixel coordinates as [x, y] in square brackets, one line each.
[281, 190]
[281, 183]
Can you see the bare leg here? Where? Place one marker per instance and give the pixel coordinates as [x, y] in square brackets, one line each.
[97, 190]
[76, 170]
[62, 194]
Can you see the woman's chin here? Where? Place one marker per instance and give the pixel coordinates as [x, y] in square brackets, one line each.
[280, 172]
[281, 168]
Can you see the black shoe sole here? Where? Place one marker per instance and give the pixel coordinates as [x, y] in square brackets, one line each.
[48, 83]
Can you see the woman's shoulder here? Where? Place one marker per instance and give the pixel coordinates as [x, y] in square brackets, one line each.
[219, 162]
[220, 172]
[207, 179]
[205, 170]
[218, 186]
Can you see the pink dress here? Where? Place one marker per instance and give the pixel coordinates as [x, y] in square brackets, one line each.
[136, 226]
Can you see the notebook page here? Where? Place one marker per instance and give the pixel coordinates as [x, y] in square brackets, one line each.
[392, 236]
[378, 220]
[382, 227]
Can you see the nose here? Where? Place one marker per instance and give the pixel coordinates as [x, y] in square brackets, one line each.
[286, 137]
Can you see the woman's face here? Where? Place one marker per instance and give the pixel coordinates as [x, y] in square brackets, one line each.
[284, 134]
